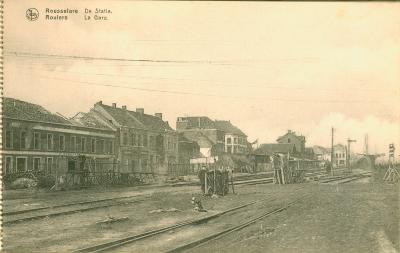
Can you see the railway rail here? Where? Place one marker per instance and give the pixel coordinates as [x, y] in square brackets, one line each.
[345, 179]
[67, 212]
[112, 245]
[114, 202]
[232, 229]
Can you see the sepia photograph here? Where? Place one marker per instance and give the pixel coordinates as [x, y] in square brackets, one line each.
[191, 126]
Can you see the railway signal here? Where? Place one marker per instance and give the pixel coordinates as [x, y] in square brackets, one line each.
[391, 150]
[391, 175]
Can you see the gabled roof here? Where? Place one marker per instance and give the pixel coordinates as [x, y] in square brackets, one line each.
[271, 148]
[87, 120]
[197, 122]
[320, 150]
[151, 122]
[17, 109]
[201, 139]
[227, 127]
[339, 147]
[122, 116]
[203, 122]
[300, 137]
[136, 120]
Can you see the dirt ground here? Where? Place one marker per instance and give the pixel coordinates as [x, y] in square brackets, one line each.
[354, 217]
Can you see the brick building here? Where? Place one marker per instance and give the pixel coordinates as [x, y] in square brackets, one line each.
[145, 143]
[299, 141]
[214, 137]
[36, 140]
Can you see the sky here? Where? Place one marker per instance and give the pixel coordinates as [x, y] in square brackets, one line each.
[265, 66]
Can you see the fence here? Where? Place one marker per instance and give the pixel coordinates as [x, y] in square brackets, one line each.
[288, 170]
[181, 169]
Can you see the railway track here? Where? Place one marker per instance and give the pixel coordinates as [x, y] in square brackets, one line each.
[112, 245]
[232, 229]
[13, 217]
[20, 217]
[346, 179]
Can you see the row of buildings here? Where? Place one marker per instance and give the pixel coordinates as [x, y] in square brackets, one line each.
[110, 138]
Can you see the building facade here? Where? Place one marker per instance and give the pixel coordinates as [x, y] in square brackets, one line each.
[339, 155]
[299, 141]
[145, 143]
[214, 137]
[36, 140]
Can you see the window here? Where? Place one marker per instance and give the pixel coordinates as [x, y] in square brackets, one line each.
[62, 142]
[83, 144]
[111, 147]
[49, 165]
[50, 142]
[36, 141]
[229, 149]
[21, 164]
[73, 143]
[229, 140]
[152, 141]
[36, 163]
[102, 146]
[140, 140]
[288, 140]
[9, 139]
[79, 144]
[132, 139]
[235, 140]
[93, 145]
[8, 165]
[23, 140]
[145, 140]
[125, 139]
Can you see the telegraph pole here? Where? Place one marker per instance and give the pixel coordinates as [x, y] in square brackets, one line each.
[332, 154]
[349, 141]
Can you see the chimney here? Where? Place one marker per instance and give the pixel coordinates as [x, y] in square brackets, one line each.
[100, 102]
[140, 110]
[158, 115]
[114, 105]
[289, 131]
[124, 107]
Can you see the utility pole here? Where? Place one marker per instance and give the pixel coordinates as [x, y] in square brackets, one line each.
[349, 141]
[366, 144]
[332, 153]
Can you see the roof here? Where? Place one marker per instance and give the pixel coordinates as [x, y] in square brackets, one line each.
[136, 120]
[320, 150]
[195, 122]
[18, 109]
[271, 148]
[203, 122]
[201, 139]
[87, 120]
[339, 147]
[292, 133]
[122, 116]
[151, 122]
[227, 127]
